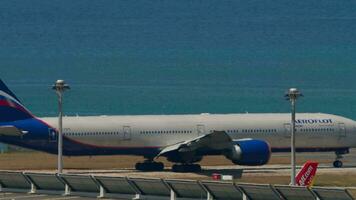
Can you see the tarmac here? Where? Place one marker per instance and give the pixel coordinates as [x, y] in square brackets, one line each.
[325, 167]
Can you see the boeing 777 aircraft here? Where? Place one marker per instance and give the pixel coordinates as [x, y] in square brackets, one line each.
[245, 139]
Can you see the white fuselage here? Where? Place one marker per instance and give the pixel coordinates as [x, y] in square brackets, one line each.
[313, 130]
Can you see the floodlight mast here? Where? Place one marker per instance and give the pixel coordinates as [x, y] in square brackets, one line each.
[292, 95]
[60, 86]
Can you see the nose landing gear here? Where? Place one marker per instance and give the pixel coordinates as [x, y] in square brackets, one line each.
[337, 164]
[339, 155]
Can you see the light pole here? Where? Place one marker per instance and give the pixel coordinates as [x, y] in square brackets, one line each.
[60, 86]
[292, 95]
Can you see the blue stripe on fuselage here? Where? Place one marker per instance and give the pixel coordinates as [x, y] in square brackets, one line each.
[38, 138]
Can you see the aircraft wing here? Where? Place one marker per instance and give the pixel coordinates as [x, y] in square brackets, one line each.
[11, 131]
[217, 140]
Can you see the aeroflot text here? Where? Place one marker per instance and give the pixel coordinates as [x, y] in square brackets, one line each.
[313, 121]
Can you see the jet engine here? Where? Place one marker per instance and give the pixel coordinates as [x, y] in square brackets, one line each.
[249, 152]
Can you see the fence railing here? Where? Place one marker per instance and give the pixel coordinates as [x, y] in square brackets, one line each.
[155, 188]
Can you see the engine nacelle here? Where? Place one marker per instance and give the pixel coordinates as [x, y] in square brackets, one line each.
[249, 152]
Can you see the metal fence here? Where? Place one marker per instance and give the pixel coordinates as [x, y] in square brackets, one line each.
[155, 188]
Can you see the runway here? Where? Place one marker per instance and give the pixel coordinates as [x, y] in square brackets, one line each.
[276, 173]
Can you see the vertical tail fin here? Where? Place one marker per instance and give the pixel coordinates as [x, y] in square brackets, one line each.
[11, 108]
[306, 175]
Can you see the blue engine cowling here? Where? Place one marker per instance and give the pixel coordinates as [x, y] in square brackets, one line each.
[249, 152]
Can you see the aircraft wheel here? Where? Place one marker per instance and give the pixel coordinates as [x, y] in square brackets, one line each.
[149, 166]
[139, 166]
[197, 168]
[337, 163]
[159, 166]
[186, 168]
[176, 168]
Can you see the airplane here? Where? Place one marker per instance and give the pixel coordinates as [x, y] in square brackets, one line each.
[245, 139]
[306, 175]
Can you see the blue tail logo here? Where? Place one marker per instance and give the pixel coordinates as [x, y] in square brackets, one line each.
[11, 108]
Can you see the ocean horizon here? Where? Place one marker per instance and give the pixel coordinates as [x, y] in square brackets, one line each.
[169, 57]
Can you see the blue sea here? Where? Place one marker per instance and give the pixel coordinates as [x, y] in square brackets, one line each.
[176, 57]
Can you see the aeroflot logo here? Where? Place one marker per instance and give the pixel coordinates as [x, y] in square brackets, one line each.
[314, 121]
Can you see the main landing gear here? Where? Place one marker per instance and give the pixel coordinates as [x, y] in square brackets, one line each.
[186, 168]
[149, 165]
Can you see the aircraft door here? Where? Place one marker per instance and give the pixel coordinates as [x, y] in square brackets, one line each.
[342, 130]
[52, 135]
[287, 130]
[200, 129]
[126, 133]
